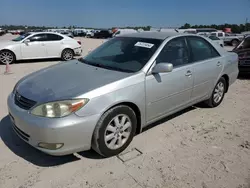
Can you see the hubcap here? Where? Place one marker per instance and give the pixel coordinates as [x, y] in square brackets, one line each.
[6, 57]
[68, 55]
[118, 131]
[218, 92]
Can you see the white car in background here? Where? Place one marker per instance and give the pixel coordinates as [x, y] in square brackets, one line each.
[39, 45]
[216, 40]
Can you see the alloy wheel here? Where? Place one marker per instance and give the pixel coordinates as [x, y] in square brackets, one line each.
[218, 92]
[68, 55]
[118, 131]
[6, 57]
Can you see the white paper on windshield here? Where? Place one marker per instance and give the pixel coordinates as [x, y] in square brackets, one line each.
[144, 44]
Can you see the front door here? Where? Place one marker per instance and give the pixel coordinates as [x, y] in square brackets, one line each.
[167, 92]
[35, 48]
[207, 66]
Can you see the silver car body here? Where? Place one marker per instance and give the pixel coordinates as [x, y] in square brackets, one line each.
[152, 97]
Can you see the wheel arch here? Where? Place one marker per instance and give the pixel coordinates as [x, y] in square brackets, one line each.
[135, 108]
[226, 77]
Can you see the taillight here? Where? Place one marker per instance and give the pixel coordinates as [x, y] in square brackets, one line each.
[79, 42]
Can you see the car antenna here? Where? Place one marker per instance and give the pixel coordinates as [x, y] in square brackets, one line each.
[176, 30]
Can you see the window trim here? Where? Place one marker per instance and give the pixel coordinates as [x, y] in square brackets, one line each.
[186, 44]
[209, 44]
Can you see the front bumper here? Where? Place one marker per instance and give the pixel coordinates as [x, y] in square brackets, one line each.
[73, 131]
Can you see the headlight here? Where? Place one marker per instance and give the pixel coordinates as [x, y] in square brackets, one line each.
[59, 108]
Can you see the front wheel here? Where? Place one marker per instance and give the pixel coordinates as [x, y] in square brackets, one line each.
[7, 57]
[235, 42]
[67, 54]
[218, 93]
[114, 131]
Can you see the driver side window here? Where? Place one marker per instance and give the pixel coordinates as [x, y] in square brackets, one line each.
[37, 38]
[174, 52]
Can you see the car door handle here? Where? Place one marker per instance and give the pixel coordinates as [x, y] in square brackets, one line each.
[219, 64]
[189, 73]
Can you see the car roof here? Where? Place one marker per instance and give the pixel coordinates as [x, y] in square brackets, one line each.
[44, 32]
[153, 35]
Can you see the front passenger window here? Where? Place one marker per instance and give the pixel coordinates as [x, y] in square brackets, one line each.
[175, 52]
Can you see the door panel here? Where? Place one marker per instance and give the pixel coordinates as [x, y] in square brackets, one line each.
[34, 49]
[166, 92]
[53, 45]
[205, 75]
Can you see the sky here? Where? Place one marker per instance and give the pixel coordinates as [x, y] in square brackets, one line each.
[120, 13]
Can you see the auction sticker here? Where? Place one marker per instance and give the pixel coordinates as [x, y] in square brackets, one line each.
[144, 44]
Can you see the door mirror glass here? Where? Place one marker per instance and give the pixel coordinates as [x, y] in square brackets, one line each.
[27, 41]
[162, 67]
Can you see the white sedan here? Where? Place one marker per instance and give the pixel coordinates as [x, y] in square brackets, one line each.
[39, 46]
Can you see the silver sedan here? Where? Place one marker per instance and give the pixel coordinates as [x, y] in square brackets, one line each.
[102, 100]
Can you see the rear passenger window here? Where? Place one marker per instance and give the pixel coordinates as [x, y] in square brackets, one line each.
[175, 52]
[53, 37]
[201, 49]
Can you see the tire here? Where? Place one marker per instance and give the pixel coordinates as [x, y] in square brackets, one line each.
[107, 135]
[7, 57]
[220, 89]
[67, 54]
[234, 42]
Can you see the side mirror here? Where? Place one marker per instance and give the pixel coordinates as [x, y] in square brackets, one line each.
[27, 42]
[162, 67]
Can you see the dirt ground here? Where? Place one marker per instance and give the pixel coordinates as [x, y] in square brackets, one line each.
[197, 148]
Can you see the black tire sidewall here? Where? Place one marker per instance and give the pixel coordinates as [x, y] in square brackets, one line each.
[214, 104]
[98, 137]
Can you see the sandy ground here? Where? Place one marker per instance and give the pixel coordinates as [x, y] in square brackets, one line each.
[197, 148]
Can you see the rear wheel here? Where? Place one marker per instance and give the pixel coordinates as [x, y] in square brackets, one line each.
[235, 42]
[7, 57]
[218, 93]
[67, 54]
[114, 131]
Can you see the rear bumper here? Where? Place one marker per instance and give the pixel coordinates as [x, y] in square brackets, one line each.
[78, 51]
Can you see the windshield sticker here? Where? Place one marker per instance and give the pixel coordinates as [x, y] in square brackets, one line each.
[144, 44]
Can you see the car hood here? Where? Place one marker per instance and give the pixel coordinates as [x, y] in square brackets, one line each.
[4, 44]
[66, 80]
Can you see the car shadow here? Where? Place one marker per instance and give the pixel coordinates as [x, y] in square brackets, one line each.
[38, 158]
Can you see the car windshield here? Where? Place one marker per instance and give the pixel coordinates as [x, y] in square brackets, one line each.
[21, 37]
[123, 54]
[245, 44]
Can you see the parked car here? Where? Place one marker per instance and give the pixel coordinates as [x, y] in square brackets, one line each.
[118, 89]
[67, 33]
[103, 34]
[38, 46]
[243, 51]
[230, 39]
[217, 40]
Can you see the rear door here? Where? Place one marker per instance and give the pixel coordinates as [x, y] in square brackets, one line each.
[207, 66]
[35, 48]
[53, 45]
